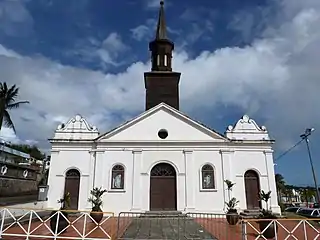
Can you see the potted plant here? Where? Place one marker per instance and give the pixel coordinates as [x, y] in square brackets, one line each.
[232, 213]
[96, 201]
[267, 227]
[63, 216]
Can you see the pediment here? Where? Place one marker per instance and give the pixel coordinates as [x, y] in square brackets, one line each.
[146, 127]
[247, 129]
[76, 128]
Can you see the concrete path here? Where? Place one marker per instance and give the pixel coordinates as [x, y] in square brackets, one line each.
[165, 228]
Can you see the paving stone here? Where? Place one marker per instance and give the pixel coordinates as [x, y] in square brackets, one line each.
[165, 227]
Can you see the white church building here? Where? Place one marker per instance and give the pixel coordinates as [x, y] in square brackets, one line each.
[162, 159]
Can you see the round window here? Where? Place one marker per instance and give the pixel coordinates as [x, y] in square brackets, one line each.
[163, 134]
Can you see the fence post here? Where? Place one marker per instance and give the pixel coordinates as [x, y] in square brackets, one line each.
[3, 213]
[243, 230]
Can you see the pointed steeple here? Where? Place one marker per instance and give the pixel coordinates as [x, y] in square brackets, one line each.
[161, 27]
[161, 83]
[161, 47]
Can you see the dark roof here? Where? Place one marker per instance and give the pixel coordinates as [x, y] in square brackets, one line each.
[161, 33]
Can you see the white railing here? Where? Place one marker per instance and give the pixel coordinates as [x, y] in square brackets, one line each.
[281, 229]
[51, 224]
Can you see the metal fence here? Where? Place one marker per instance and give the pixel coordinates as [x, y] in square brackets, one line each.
[56, 224]
[205, 226]
[35, 224]
[281, 229]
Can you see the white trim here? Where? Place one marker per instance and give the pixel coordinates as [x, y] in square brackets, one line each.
[70, 168]
[163, 161]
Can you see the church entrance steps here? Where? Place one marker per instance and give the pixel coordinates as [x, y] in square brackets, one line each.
[162, 214]
[250, 213]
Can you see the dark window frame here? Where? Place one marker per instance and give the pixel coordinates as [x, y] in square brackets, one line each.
[208, 170]
[116, 170]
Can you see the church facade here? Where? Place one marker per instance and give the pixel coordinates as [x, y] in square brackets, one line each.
[162, 159]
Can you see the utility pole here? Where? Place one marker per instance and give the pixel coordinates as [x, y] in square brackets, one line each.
[305, 136]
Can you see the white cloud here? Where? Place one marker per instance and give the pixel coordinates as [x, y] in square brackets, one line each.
[276, 77]
[114, 43]
[111, 48]
[106, 52]
[147, 30]
[144, 31]
[8, 135]
[140, 32]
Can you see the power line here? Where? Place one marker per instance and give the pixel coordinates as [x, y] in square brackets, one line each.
[287, 151]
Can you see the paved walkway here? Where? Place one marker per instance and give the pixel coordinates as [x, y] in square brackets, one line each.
[165, 228]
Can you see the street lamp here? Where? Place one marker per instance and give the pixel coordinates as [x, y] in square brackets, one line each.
[305, 136]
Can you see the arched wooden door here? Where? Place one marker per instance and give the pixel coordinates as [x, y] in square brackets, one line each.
[163, 188]
[252, 188]
[72, 185]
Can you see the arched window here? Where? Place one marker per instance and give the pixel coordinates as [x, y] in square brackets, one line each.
[165, 60]
[207, 177]
[117, 181]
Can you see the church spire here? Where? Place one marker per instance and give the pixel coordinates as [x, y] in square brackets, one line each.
[161, 27]
[161, 47]
[161, 83]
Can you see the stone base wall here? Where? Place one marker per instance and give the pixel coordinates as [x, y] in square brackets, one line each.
[17, 187]
[18, 180]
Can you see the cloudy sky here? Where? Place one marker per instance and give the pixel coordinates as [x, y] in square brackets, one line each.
[256, 57]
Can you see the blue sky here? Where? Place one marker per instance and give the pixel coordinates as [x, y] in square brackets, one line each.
[256, 57]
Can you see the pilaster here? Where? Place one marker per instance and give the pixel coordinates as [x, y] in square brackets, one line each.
[136, 180]
[189, 180]
[99, 172]
[271, 181]
[91, 171]
[226, 156]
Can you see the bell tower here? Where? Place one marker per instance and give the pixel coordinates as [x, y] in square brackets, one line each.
[161, 83]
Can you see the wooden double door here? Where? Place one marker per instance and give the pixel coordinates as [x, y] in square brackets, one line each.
[252, 188]
[163, 188]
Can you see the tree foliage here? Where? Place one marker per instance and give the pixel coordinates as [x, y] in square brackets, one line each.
[8, 97]
[33, 150]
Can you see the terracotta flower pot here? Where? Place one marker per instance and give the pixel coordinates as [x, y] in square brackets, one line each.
[233, 217]
[97, 215]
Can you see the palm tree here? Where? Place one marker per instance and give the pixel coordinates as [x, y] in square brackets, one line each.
[307, 195]
[7, 102]
[281, 186]
[289, 193]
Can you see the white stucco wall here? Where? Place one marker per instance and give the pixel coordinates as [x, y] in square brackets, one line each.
[146, 129]
[61, 161]
[187, 149]
[228, 164]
